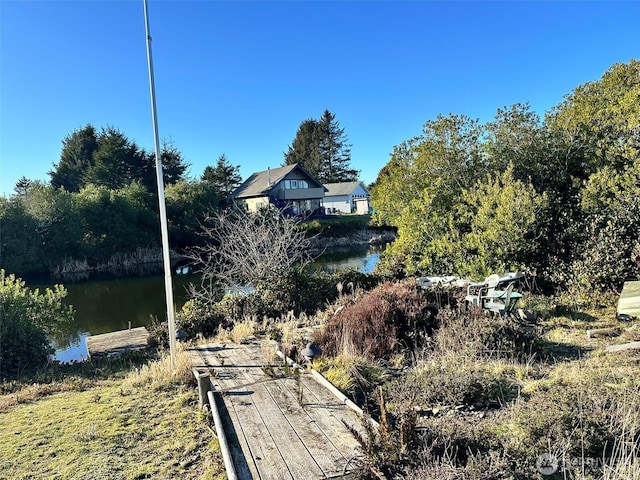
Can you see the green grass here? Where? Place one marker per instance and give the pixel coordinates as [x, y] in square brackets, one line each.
[145, 424]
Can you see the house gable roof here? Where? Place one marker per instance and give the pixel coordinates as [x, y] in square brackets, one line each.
[342, 188]
[261, 183]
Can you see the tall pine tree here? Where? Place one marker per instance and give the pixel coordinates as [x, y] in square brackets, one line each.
[321, 147]
[224, 177]
[76, 159]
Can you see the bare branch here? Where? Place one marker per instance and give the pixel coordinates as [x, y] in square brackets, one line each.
[245, 250]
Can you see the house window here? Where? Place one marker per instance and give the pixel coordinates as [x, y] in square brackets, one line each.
[295, 184]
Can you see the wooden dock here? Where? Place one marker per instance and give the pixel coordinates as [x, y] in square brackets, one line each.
[278, 425]
[629, 302]
[115, 343]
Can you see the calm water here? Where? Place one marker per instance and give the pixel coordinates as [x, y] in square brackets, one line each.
[107, 305]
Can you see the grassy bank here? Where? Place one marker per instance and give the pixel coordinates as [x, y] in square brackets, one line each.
[127, 420]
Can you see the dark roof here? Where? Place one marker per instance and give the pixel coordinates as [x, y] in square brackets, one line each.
[261, 183]
[342, 188]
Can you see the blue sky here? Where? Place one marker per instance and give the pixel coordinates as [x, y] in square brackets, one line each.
[238, 77]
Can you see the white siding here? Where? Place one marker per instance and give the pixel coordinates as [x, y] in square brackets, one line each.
[346, 203]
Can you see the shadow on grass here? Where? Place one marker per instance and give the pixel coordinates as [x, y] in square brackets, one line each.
[553, 351]
[80, 374]
[581, 317]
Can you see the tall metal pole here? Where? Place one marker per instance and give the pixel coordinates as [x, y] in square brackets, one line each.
[168, 285]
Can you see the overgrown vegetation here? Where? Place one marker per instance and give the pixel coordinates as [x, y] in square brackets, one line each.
[457, 394]
[390, 318]
[485, 398]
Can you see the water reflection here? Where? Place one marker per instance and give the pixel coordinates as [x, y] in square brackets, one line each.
[364, 260]
[108, 304]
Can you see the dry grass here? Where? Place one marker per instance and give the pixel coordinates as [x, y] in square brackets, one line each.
[494, 395]
[162, 374]
[239, 331]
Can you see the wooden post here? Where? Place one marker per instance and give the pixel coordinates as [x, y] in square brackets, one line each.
[202, 376]
[603, 332]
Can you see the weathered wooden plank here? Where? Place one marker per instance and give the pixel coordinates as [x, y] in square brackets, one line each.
[207, 357]
[263, 451]
[318, 444]
[262, 447]
[329, 415]
[329, 402]
[279, 437]
[244, 464]
[114, 343]
[603, 332]
[297, 458]
[624, 346]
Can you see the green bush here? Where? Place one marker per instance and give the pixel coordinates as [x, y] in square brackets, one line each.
[339, 226]
[27, 317]
[196, 318]
[303, 292]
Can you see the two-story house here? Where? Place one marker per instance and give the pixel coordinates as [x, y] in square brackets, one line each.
[289, 188]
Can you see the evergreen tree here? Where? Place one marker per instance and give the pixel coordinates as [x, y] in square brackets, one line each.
[305, 149]
[22, 185]
[76, 158]
[173, 167]
[224, 177]
[110, 159]
[321, 147]
[335, 151]
[117, 161]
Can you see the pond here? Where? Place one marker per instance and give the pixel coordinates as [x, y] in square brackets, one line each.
[107, 305]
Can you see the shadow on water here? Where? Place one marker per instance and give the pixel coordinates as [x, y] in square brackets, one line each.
[105, 302]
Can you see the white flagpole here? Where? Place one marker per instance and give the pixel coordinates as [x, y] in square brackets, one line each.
[168, 285]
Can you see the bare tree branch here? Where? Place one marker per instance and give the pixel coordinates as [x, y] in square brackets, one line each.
[248, 250]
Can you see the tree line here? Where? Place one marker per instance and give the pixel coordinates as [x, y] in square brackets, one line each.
[101, 198]
[102, 201]
[559, 196]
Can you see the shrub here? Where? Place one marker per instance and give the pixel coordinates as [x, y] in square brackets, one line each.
[456, 380]
[196, 318]
[295, 291]
[476, 335]
[391, 316]
[341, 226]
[199, 318]
[27, 317]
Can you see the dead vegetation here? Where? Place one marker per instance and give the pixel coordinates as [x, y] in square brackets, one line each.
[487, 397]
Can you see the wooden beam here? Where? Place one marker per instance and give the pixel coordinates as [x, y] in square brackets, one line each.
[624, 346]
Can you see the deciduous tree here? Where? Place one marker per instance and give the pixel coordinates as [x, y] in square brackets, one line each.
[26, 318]
[248, 250]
